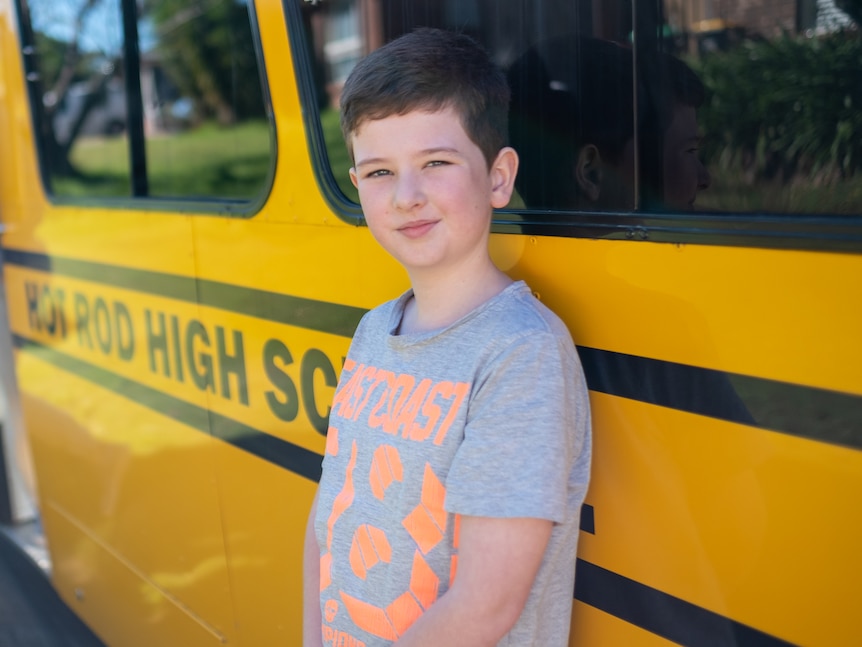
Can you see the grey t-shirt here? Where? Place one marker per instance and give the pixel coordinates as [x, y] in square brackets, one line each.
[486, 417]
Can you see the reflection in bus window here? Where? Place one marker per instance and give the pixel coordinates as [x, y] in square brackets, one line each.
[784, 103]
[205, 116]
[571, 123]
[167, 103]
[78, 52]
[751, 107]
[341, 31]
[789, 142]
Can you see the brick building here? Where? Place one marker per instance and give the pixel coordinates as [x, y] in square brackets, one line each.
[767, 18]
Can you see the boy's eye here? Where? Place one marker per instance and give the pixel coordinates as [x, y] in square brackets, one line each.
[377, 173]
[437, 163]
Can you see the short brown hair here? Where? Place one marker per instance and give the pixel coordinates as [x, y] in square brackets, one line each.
[430, 69]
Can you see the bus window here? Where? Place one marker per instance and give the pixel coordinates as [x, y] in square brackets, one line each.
[164, 101]
[753, 113]
[340, 32]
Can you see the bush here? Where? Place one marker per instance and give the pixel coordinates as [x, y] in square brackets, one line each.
[783, 108]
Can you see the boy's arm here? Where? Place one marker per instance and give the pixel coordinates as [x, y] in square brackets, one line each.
[497, 563]
[311, 620]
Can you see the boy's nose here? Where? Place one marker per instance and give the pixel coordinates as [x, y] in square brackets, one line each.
[408, 192]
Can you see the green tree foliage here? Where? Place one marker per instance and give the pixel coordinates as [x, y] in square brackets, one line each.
[206, 47]
[786, 107]
[62, 64]
[52, 54]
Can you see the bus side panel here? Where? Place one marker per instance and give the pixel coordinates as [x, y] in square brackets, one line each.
[90, 567]
[127, 483]
[744, 511]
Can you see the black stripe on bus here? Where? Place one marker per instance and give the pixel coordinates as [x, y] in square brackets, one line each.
[311, 314]
[663, 614]
[805, 411]
[588, 519]
[809, 412]
[836, 233]
[279, 452]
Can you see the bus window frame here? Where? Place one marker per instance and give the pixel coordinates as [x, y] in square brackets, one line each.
[841, 233]
[343, 207]
[212, 206]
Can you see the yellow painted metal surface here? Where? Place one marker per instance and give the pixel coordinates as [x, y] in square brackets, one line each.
[141, 398]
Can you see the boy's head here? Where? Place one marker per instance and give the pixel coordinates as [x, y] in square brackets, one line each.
[427, 70]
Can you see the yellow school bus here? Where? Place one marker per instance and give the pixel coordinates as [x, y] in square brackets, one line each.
[184, 263]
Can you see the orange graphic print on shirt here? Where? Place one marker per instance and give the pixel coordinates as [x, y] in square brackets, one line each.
[402, 407]
[399, 404]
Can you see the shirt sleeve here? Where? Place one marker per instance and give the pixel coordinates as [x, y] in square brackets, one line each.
[526, 429]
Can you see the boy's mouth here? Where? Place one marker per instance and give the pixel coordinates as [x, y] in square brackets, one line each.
[417, 228]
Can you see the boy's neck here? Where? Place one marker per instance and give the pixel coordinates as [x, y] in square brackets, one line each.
[439, 301]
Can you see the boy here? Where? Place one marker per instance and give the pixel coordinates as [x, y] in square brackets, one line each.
[458, 452]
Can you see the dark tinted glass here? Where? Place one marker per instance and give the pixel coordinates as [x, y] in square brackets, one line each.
[342, 31]
[715, 107]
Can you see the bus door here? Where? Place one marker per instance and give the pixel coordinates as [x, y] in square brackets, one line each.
[112, 352]
[280, 290]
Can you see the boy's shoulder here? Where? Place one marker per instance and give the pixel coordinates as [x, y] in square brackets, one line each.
[517, 312]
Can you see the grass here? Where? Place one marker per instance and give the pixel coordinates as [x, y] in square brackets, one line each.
[730, 192]
[210, 161]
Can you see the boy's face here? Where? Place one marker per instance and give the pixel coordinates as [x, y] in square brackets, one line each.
[426, 189]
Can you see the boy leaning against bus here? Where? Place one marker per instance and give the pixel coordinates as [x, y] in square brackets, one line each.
[458, 452]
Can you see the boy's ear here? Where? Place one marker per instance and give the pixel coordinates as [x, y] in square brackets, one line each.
[588, 172]
[353, 177]
[503, 172]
